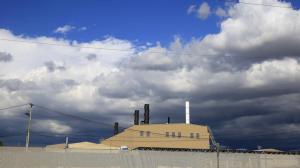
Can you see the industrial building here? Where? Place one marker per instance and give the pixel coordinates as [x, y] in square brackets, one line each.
[169, 135]
[146, 135]
[162, 136]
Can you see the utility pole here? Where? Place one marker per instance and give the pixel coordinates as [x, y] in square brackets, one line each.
[218, 155]
[29, 125]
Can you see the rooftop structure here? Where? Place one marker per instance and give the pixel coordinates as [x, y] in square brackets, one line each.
[162, 136]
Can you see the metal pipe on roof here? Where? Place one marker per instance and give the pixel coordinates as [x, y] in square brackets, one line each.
[187, 112]
[116, 128]
[136, 117]
[146, 114]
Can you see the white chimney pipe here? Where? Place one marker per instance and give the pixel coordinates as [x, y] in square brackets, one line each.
[187, 112]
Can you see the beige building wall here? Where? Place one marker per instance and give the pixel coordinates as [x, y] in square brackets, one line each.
[162, 136]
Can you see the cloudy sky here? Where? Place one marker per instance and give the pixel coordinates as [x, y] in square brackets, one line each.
[238, 63]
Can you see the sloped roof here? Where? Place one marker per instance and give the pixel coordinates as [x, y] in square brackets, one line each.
[174, 135]
[82, 145]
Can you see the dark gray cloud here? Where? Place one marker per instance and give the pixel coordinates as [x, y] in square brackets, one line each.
[243, 82]
[91, 57]
[51, 66]
[16, 85]
[277, 48]
[152, 62]
[5, 57]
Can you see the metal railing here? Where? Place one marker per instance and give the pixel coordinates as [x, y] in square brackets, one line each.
[16, 157]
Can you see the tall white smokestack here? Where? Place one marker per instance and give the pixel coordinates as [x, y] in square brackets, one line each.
[187, 112]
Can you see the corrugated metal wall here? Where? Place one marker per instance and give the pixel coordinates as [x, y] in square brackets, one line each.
[45, 158]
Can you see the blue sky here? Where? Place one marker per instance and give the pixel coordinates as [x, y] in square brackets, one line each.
[242, 79]
[134, 20]
[144, 21]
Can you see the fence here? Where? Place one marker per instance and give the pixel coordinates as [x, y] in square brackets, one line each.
[70, 158]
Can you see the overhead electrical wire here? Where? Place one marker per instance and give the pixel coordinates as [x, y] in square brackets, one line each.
[73, 116]
[66, 134]
[95, 122]
[126, 138]
[97, 48]
[252, 137]
[12, 135]
[114, 49]
[130, 50]
[257, 135]
[109, 125]
[99, 123]
[16, 106]
[269, 136]
[53, 136]
[162, 140]
[65, 45]
[262, 4]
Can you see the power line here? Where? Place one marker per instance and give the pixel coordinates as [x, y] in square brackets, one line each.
[129, 50]
[261, 4]
[12, 135]
[128, 139]
[269, 133]
[137, 130]
[95, 122]
[132, 129]
[162, 140]
[124, 139]
[16, 106]
[52, 136]
[66, 134]
[92, 121]
[73, 136]
[65, 45]
[99, 123]
[97, 48]
[73, 116]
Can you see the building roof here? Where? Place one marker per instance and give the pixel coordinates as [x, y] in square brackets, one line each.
[154, 135]
[162, 127]
[162, 136]
[83, 145]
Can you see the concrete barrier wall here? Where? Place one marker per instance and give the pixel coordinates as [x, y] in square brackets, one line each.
[42, 158]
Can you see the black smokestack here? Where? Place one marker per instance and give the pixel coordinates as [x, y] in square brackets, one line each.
[116, 128]
[136, 117]
[168, 120]
[146, 114]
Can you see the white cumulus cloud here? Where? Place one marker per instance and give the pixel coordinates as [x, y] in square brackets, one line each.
[64, 29]
[220, 12]
[191, 9]
[243, 74]
[52, 126]
[203, 11]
